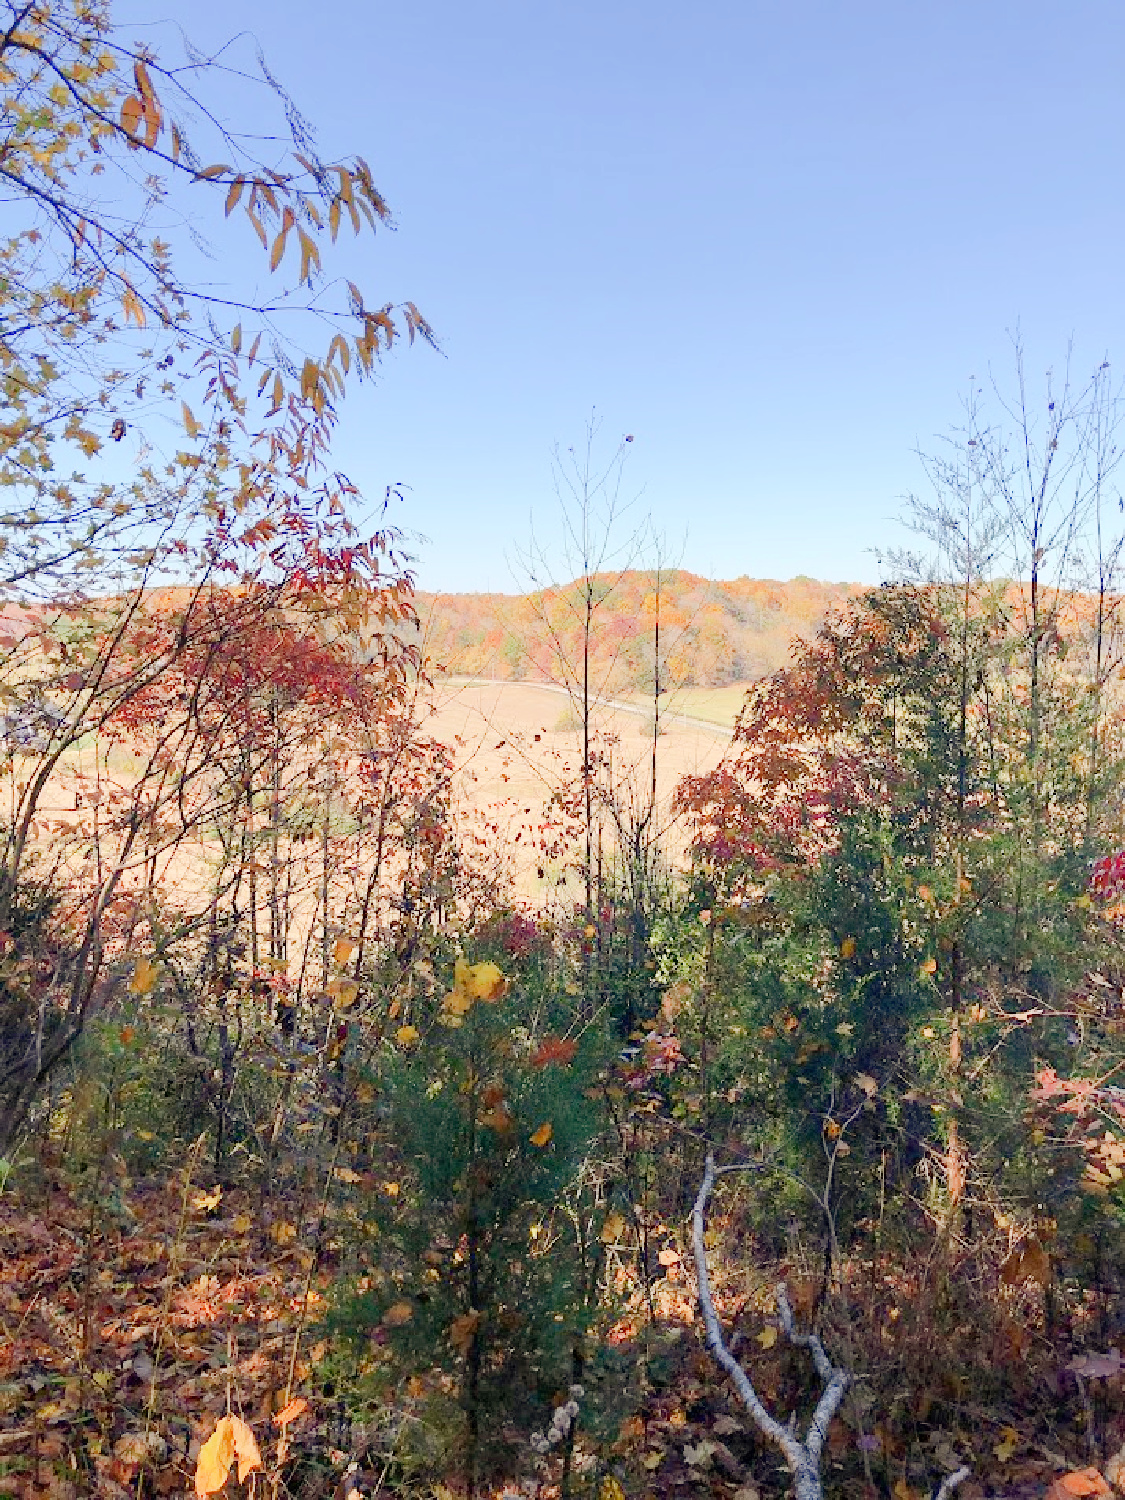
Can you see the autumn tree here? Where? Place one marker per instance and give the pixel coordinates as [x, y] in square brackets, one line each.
[864, 860]
[163, 440]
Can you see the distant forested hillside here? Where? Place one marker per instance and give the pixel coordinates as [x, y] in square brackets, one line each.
[710, 633]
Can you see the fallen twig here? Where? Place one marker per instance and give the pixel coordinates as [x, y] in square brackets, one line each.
[802, 1456]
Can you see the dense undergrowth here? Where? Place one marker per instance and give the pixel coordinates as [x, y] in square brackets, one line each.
[328, 1167]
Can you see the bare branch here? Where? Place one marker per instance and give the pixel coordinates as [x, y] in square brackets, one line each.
[803, 1457]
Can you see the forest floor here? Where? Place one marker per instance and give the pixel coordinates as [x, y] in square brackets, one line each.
[136, 1314]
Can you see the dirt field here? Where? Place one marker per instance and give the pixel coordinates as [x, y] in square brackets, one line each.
[514, 745]
[516, 742]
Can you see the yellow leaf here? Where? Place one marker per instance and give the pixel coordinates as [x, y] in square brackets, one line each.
[610, 1489]
[1009, 1442]
[339, 348]
[278, 250]
[283, 1233]
[928, 968]
[486, 982]
[215, 1459]
[205, 1201]
[191, 426]
[146, 972]
[541, 1136]
[768, 1337]
[234, 194]
[310, 255]
[343, 949]
[397, 1314]
[343, 991]
[406, 1036]
[612, 1229]
[832, 1129]
[242, 1223]
[236, 339]
[134, 311]
[847, 948]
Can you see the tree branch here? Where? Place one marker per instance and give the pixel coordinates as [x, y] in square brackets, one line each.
[803, 1457]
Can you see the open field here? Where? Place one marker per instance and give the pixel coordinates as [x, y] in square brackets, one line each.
[515, 743]
[717, 705]
[513, 746]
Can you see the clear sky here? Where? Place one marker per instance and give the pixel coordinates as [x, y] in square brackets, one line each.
[772, 239]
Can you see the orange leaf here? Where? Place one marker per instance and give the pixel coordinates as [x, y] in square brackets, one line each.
[132, 113]
[554, 1049]
[462, 1332]
[541, 1136]
[397, 1314]
[245, 1448]
[134, 309]
[1077, 1483]
[291, 1412]
[1027, 1262]
[152, 122]
[143, 81]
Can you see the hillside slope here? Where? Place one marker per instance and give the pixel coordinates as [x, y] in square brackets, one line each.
[711, 633]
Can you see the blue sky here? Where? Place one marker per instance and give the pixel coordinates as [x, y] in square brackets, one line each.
[774, 241]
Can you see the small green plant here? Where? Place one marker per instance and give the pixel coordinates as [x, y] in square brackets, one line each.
[483, 1278]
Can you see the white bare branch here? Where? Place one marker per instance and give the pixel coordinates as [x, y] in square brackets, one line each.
[802, 1456]
[951, 1482]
